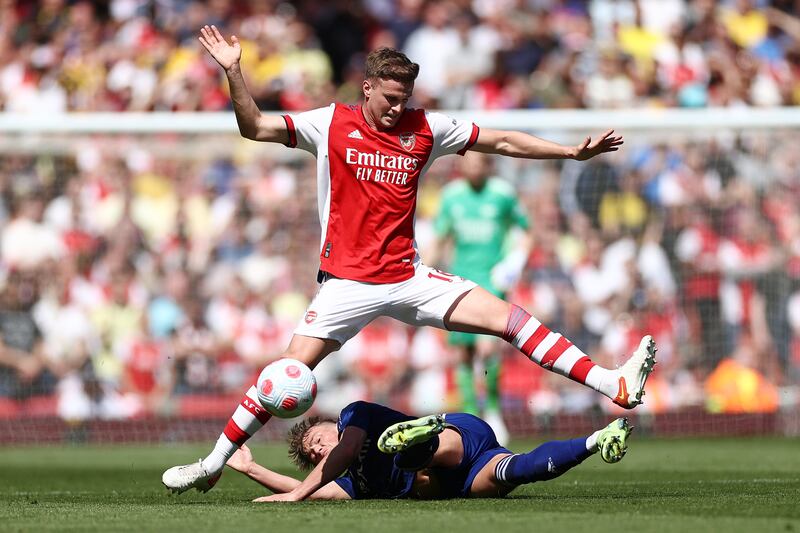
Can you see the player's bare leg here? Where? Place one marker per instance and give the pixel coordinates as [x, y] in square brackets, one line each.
[247, 419]
[486, 484]
[426, 442]
[482, 312]
[451, 450]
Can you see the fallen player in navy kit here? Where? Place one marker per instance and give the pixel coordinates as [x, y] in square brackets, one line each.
[376, 452]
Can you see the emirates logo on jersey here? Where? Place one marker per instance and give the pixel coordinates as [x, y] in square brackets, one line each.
[379, 167]
[408, 140]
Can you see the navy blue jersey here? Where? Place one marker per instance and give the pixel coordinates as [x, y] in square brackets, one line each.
[373, 474]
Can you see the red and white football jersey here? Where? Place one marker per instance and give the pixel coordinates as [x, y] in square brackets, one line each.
[367, 184]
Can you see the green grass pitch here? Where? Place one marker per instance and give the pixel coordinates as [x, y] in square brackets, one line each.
[662, 485]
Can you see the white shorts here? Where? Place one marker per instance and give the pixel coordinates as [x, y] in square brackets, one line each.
[342, 307]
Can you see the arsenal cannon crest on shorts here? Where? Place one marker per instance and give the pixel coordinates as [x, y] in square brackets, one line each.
[407, 141]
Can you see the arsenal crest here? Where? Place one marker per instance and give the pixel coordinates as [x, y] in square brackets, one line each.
[407, 141]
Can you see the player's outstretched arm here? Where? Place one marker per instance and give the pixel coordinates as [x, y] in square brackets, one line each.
[331, 467]
[242, 461]
[252, 124]
[519, 144]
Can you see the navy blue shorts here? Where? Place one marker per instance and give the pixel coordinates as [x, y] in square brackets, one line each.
[480, 445]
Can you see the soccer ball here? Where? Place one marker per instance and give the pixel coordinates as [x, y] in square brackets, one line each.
[286, 388]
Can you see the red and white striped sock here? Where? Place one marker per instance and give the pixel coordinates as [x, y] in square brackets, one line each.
[555, 353]
[248, 418]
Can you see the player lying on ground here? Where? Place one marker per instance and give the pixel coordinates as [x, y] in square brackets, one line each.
[370, 158]
[376, 452]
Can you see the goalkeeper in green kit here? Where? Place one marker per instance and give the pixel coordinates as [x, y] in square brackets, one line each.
[479, 214]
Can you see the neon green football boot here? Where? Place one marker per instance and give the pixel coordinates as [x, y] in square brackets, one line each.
[403, 435]
[612, 440]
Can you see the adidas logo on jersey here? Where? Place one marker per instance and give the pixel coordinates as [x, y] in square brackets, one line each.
[355, 134]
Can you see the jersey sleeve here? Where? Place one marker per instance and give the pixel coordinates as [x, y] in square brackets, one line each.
[451, 136]
[357, 414]
[308, 129]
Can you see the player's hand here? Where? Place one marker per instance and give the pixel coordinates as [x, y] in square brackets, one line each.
[607, 142]
[285, 497]
[241, 460]
[227, 55]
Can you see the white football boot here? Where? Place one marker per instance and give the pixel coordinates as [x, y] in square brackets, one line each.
[179, 479]
[633, 374]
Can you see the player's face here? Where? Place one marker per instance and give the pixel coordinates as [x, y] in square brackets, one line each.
[385, 100]
[320, 440]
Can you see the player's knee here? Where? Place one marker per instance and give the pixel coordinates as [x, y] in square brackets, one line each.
[499, 315]
[479, 312]
[487, 485]
[490, 490]
[308, 350]
[309, 359]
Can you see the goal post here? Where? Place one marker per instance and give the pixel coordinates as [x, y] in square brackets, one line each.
[545, 120]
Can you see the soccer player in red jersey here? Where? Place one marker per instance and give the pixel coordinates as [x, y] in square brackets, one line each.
[370, 158]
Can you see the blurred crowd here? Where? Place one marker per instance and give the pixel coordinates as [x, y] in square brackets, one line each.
[142, 55]
[132, 278]
[131, 282]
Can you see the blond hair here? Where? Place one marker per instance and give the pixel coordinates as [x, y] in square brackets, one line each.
[297, 434]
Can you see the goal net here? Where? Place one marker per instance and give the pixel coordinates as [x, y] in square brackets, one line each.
[152, 264]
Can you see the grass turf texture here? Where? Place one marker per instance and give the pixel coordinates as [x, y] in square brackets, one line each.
[662, 485]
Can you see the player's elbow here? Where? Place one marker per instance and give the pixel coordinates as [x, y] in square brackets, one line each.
[254, 127]
[268, 128]
[248, 131]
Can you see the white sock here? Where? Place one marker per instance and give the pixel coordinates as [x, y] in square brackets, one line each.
[222, 451]
[591, 441]
[604, 381]
[248, 418]
[554, 352]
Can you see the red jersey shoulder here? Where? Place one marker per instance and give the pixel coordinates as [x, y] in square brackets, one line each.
[413, 119]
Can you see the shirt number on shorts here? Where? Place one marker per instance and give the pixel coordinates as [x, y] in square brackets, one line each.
[444, 276]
